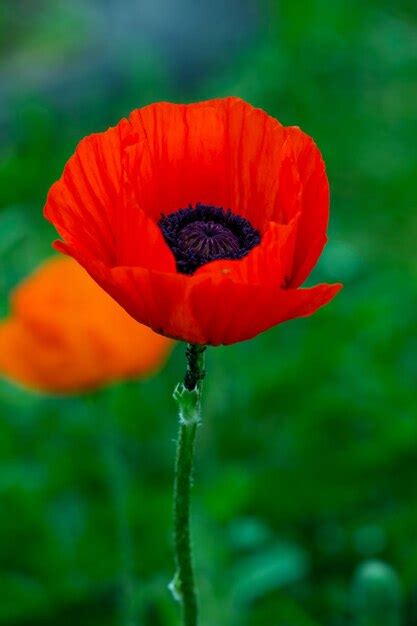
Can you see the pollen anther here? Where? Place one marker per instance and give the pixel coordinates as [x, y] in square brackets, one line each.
[202, 234]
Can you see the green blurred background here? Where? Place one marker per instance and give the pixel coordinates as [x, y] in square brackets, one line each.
[307, 459]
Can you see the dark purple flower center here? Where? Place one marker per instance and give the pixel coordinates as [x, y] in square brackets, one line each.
[207, 233]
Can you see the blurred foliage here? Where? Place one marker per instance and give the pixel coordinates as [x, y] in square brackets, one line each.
[307, 459]
[376, 595]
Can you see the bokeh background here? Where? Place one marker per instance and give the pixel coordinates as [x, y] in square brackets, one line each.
[307, 460]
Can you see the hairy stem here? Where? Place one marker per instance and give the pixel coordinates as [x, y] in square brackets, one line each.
[188, 398]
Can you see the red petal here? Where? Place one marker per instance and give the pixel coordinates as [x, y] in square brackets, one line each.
[92, 207]
[312, 191]
[269, 262]
[182, 160]
[228, 312]
[83, 203]
[221, 152]
[140, 242]
[159, 300]
[206, 308]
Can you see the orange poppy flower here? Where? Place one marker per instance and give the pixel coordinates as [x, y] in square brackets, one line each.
[201, 220]
[65, 334]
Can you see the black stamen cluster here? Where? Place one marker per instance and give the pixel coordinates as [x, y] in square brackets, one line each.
[207, 233]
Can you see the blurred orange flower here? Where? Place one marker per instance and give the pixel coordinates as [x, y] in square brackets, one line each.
[66, 335]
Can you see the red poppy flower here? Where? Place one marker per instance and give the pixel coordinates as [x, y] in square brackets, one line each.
[201, 220]
[66, 335]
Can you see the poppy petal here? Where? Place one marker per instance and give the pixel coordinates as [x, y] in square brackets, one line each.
[312, 191]
[252, 151]
[269, 262]
[228, 312]
[182, 161]
[141, 243]
[221, 152]
[82, 204]
[91, 205]
[159, 300]
[207, 308]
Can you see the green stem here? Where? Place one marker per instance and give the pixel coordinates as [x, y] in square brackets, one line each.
[188, 398]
